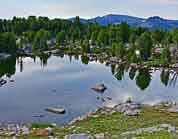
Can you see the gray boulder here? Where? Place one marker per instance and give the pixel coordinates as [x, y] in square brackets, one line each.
[100, 88]
[78, 136]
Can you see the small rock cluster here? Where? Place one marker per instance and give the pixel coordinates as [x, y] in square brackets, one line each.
[14, 130]
[85, 136]
[169, 128]
[128, 108]
[171, 107]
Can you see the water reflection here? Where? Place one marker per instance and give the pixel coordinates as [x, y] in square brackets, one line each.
[142, 76]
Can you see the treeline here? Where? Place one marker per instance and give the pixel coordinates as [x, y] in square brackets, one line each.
[124, 39]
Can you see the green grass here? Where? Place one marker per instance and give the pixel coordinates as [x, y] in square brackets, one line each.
[41, 125]
[114, 124]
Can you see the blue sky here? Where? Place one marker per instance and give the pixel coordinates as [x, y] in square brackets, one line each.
[88, 8]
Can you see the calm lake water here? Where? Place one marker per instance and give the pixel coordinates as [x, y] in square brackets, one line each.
[66, 81]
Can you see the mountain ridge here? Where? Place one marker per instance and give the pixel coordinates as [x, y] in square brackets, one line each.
[154, 22]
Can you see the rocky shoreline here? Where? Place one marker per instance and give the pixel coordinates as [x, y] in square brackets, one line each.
[129, 108]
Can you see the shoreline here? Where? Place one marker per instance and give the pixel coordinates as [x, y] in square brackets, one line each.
[129, 110]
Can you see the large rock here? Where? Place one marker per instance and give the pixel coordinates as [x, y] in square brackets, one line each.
[100, 88]
[56, 110]
[128, 108]
[173, 109]
[78, 136]
[132, 112]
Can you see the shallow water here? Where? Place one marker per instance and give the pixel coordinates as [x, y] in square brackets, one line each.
[52, 81]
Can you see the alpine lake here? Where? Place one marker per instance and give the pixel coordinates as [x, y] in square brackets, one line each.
[36, 83]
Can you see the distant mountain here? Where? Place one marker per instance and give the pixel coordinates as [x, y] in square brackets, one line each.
[150, 23]
[157, 22]
[116, 19]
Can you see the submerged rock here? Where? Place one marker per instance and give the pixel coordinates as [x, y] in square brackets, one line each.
[12, 81]
[100, 88]
[79, 136]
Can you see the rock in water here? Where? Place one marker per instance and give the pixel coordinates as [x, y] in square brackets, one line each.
[56, 110]
[78, 136]
[100, 88]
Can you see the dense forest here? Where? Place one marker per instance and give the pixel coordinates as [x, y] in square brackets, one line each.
[122, 40]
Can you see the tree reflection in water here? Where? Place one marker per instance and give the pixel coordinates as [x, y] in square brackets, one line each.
[143, 78]
[132, 73]
[173, 77]
[120, 72]
[164, 76]
[7, 67]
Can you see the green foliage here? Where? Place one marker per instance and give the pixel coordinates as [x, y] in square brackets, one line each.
[118, 50]
[102, 39]
[85, 46]
[145, 45]
[124, 32]
[175, 36]
[8, 42]
[60, 37]
[166, 56]
[157, 36]
[40, 40]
